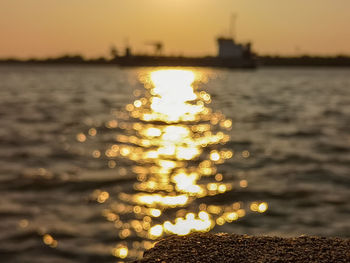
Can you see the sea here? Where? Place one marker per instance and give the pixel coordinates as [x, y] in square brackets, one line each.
[97, 163]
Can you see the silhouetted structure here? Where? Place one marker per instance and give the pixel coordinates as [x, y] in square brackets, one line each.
[229, 49]
[158, 47]
[113, 52]
[230, 55]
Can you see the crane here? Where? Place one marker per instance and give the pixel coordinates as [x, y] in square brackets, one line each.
[158, 47]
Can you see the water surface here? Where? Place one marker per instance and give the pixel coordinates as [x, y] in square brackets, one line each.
[97, 163]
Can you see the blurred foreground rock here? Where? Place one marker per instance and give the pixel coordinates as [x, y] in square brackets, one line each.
[204, 247]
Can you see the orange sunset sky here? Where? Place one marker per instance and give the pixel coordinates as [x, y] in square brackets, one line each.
[40, 28]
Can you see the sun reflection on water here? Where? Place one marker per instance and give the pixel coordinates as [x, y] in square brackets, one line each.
[175, 143]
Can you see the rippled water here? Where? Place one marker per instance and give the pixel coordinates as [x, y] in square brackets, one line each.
[97, 163]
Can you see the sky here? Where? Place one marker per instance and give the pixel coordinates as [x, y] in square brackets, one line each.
[47, 28]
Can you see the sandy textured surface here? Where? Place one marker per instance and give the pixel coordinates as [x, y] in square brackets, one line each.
[200, 247]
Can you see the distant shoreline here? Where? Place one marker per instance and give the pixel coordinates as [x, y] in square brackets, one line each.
[262, 61]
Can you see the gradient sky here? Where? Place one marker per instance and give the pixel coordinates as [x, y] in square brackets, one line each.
[39, 28]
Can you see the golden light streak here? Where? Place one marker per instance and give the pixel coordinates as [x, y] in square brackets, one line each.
[174, 142]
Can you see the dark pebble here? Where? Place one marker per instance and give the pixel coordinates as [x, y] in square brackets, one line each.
[205, 247]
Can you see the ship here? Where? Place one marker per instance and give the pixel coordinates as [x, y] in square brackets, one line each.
[230, 54]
